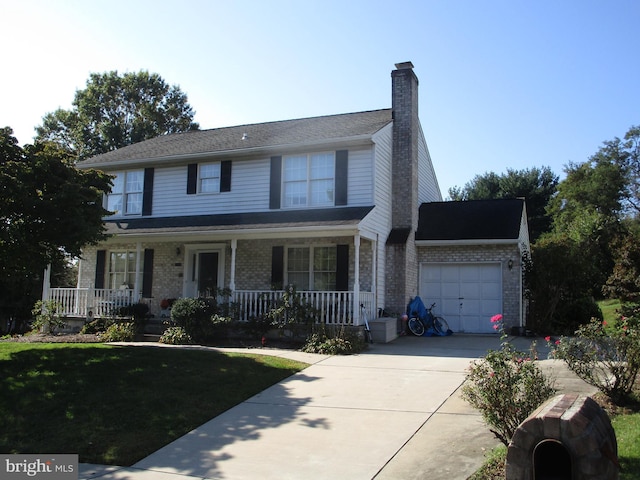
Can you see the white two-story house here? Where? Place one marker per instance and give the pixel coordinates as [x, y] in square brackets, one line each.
[329, 204]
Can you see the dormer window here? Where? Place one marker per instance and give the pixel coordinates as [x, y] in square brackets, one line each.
[308, 180]
[126, 194]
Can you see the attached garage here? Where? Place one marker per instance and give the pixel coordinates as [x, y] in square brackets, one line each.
[466, 294]
[469, 257]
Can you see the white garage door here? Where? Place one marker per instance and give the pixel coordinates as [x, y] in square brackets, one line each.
[466, 294]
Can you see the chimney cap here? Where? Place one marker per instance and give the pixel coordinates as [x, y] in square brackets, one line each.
[404, 65]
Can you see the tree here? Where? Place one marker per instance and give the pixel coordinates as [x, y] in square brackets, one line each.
[48, 211]
[535, 185]
[117, 110]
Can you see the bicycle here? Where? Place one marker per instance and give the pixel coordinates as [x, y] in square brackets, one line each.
[418, 325]
[367, 331]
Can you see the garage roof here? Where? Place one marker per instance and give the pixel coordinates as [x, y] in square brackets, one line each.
[471, 220]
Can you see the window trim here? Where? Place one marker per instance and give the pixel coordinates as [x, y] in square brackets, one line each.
[127, 274]
[308, 181]
[311, 272]
[200, 178]
[124, 194]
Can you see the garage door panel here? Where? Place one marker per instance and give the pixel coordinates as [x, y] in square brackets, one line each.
[470, 273]
[470, 291]
[491, 290]
[467, 295]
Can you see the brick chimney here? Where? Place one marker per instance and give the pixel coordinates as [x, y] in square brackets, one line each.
[402, 264]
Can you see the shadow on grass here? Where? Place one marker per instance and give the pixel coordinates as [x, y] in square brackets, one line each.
[116, 405]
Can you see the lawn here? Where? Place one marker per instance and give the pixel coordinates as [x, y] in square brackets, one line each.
[115, 405]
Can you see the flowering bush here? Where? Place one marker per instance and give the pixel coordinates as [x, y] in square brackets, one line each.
[176, 336]
[506, 386]
[605, 356]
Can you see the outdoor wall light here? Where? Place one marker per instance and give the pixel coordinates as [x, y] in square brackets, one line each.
[510, 264]
[177, 251]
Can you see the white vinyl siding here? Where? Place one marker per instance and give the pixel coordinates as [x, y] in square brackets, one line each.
[428, 188]
[250, 191]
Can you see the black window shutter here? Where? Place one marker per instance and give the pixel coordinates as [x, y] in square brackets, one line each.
[101, 261]
[192, 178]
[147, 273]
[277, 268]
[342, 267]
[225, 176]
[275, 183]
[342, 172]
[147, 193]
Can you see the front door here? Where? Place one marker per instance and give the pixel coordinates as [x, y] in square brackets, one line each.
[203, 269]
[207, 274]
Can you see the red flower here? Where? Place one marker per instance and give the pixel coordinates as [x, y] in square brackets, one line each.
[496, 318]
[547, 338]
[557, 342]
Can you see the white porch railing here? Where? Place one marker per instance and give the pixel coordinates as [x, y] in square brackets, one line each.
[91, 302]
[334, 308]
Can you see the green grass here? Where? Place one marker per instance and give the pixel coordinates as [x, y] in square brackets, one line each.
[115, 405]
[627, 429]
[609, 309]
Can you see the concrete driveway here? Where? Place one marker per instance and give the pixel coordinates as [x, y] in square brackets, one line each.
[393, 412]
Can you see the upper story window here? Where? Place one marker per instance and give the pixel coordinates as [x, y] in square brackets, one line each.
[308, 180]
[209, 178]
[126, 195]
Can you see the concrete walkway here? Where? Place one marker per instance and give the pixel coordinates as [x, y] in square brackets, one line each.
[393, 412]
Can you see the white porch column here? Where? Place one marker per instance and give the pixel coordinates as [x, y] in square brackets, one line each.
[356, 280]
[374, 275]
[137, 284]
[46, 283]
[232, 280]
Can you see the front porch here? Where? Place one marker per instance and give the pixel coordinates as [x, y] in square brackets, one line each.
[333, 307]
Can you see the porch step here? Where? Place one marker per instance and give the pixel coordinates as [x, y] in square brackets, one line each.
[147, 337]
[155, 326]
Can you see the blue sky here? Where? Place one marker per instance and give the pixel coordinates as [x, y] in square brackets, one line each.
[503, 84]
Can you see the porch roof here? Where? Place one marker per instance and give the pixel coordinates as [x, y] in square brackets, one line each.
[325, 217]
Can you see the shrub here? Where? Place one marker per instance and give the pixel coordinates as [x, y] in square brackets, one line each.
[97, 325]
[506, 386]
[292, 313]
[199, 318]
[571, 314]
[342, 342]
[46, 316]
[605, 356]
[120, 332]
[176, 336]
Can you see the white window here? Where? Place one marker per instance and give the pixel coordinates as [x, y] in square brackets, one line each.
[122, 269]
[209, 178]
[308, 180]
[311, 268]
[126, 194]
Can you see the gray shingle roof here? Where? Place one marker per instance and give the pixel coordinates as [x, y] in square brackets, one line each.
[470, 220]
[259, 135]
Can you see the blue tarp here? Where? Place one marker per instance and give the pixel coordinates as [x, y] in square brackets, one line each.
[416, 308]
